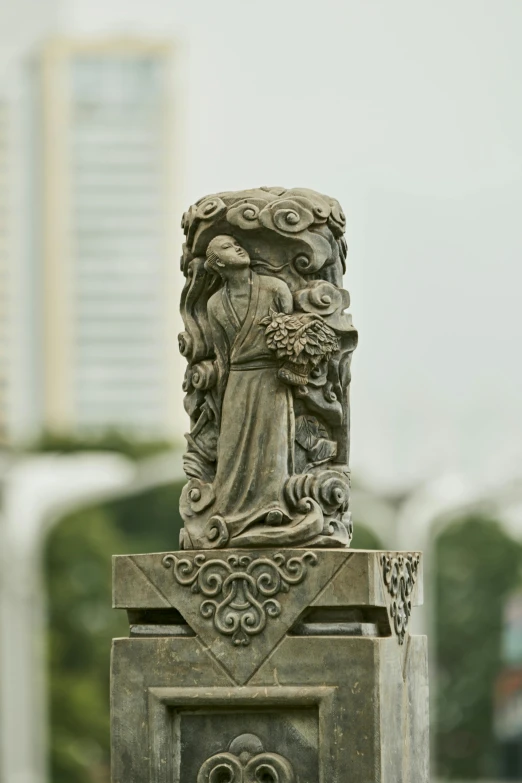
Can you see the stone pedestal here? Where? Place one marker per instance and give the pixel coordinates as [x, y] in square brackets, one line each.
[269, 666]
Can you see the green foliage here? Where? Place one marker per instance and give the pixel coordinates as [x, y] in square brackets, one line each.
[478, 565]
[363, 538]
[108, 440]
[82, 623]
[81, 627]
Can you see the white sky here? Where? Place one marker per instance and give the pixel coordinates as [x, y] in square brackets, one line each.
[410, 113]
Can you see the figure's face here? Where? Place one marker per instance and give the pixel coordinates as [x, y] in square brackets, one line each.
[230, 252]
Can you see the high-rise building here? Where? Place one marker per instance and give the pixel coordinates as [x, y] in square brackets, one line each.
[100, 287]
[4, 274]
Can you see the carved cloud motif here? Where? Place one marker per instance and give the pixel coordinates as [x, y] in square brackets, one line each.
[325, 299]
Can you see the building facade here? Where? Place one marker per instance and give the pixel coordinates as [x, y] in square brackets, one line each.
[95, 275]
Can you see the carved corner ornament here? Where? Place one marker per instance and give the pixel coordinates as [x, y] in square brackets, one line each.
[239, 592]
[246, 761]
[268, 344]
[400, 574]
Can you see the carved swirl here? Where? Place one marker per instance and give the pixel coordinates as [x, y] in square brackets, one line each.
[306, 264]
[221, 768]
[239, 591]
[246, 762]
[185, 343]
[320, 207]
[246, 214]
[287, 216]
[322, 297]
[325, 299]
[337, 219]
[328, 487]
[204, 375]
[196, 496]
[217, 532]
[400, 574]
[210, 208]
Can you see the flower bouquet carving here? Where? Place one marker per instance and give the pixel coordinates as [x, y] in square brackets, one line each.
[301, 340]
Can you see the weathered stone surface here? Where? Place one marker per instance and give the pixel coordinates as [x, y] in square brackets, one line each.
[269, 346]
[269, 666]
[266, 651]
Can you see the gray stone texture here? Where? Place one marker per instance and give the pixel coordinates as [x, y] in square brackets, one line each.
[250, 661]
[268, 344]
[292, 666]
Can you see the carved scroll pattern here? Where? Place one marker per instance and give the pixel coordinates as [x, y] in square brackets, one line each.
[239, 592]
[400, 574]
[246, 762]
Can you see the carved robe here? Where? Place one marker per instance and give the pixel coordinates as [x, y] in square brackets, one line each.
[256, 434]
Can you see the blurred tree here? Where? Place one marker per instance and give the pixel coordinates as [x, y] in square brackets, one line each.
[364, 538]
[108, 440]
[477, 567]
[82, 623]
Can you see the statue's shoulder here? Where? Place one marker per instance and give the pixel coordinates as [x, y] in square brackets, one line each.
[215, 303]
[274, 284]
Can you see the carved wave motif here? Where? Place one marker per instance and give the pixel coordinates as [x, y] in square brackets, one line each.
[239, 592]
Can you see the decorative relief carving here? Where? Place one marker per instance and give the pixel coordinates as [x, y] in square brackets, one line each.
[246, 761]
[268, 346]
[400, 574]
[239, 592]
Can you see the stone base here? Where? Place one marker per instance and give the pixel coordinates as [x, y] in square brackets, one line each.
[265, 666]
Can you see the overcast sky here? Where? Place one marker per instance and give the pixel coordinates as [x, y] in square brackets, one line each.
[410, 113]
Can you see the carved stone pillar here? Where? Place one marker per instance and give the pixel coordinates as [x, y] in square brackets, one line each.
[270, 666]
[265, 651]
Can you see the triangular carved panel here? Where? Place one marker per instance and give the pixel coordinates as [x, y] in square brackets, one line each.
[240, 605]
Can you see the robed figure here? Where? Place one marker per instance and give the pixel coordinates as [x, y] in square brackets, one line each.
[255, 448]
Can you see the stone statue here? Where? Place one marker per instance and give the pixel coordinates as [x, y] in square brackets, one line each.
[268, 346]
[277, 655]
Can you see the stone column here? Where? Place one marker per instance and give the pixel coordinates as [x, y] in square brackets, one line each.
[265, 650]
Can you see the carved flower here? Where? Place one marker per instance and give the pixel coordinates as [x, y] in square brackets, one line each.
[286, 216]
[303, 337]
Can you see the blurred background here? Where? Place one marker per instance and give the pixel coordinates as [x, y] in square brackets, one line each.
[115, 115]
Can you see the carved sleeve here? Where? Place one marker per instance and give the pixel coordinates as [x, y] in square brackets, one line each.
[222, 353]
[285, 303]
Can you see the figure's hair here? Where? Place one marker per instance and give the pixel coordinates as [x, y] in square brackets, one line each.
[212, 262]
